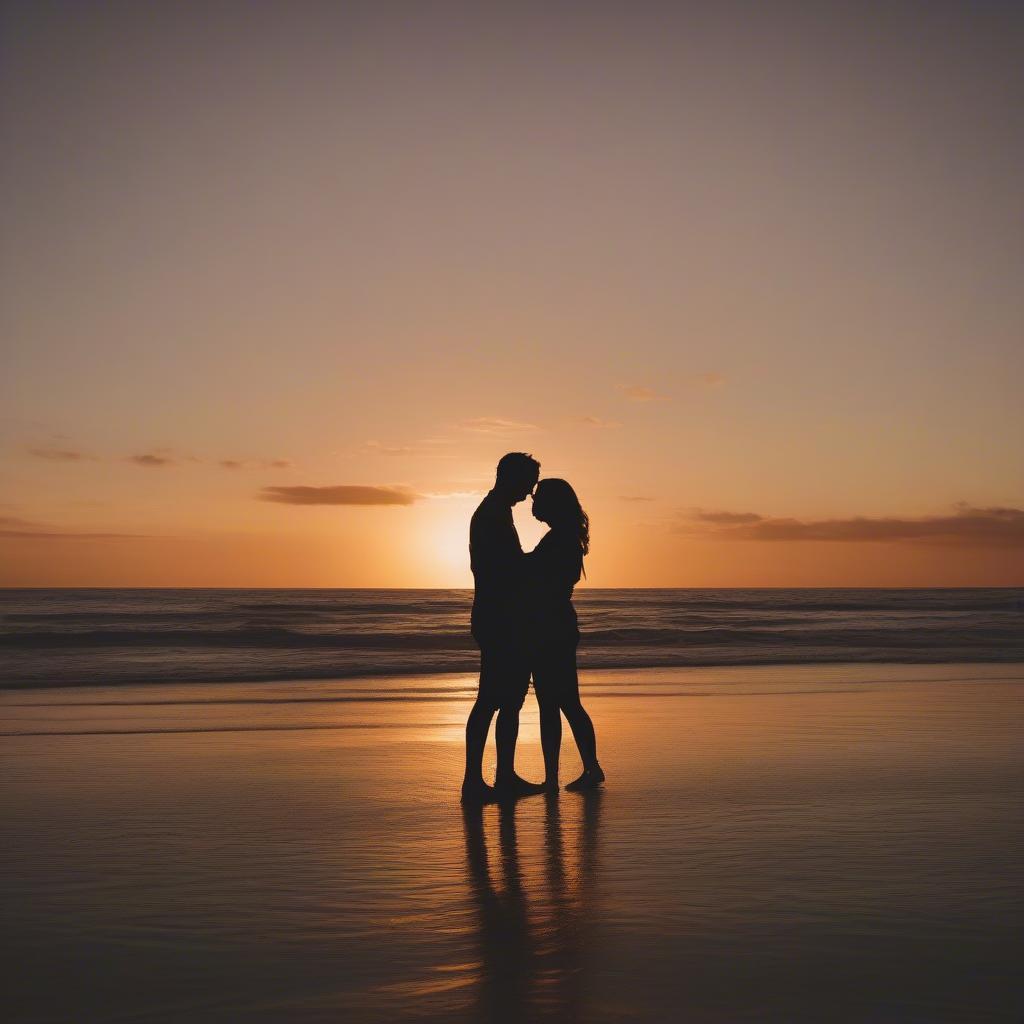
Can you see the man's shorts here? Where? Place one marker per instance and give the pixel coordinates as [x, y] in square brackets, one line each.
[554, 671]
[504, 672]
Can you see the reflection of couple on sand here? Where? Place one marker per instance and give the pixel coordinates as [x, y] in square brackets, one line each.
[534, 931]
[524, 623]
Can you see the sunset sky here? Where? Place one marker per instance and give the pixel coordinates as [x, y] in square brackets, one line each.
[281, 282]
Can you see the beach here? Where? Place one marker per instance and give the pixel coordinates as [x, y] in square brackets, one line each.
[774, 843]
[366, 363]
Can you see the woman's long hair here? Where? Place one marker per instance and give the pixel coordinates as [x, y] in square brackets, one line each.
[562, 508]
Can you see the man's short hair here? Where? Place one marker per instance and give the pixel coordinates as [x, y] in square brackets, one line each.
[517, 468]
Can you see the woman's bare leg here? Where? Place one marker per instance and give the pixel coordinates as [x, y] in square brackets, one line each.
[583, 732]
[550, 739]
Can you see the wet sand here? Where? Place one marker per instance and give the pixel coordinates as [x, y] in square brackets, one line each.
[774, 844]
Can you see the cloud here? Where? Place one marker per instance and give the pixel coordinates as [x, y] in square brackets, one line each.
[639, 393]
[340, 494]
[389, 449]
[14, 523]
[725, 518]
[426, 448]
[711, 380]
[496, 425]
[991, 527]
[158, 458]
[634, 497]
[233, 464]
[69, 535]
[62, 455]
[597, 422]
[456, 494]
[151, 460]
[28, 529]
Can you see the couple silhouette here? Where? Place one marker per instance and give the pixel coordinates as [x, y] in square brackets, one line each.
[524, 623]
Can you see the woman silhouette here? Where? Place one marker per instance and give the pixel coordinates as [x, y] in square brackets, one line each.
[553, 569]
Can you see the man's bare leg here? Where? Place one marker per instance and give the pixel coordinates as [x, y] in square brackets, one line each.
[477, 726]
[506, 732]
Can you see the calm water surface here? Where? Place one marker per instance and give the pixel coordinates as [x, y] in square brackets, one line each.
[773, 845]
[68, 637]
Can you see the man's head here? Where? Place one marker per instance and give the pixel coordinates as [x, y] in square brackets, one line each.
[517, 475]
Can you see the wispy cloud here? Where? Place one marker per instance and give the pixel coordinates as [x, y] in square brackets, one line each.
[379, 448]
[496, 425]
[28, 529]
[635, 497]
[711, 380]
[598, 423]
[340, 494]
[449, 495]
[994, 527]
[53, 454]
[725, 518]
[640, 393]
[16, 523]
[427, 447]
[233, 464]
[152, 461]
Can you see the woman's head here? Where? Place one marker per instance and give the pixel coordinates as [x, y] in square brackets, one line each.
[555, 503]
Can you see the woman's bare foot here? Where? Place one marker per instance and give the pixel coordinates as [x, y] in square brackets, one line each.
[590, 779]
[478, 793]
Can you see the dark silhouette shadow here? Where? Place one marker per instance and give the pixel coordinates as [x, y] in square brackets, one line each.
[534, 933]
[505, 941]
[524, 623]
[499, 629]
[553, 569]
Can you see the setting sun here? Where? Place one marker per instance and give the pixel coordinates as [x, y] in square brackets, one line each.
[331, 280]
[299, 297]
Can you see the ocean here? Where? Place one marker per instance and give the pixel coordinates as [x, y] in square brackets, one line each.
[65, 637]
[779, 839]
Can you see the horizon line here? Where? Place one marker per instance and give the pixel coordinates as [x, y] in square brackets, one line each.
[1012, 586]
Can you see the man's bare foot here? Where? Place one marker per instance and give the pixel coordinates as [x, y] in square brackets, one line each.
[478, 793]
[515, 787]
[590, 779]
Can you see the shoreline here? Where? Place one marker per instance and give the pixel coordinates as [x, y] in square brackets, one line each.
[593, 674]
[399, 674]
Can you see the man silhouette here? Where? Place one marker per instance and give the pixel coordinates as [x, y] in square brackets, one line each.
[497, 560]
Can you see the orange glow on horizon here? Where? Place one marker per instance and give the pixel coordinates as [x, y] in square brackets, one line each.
[278, 296]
